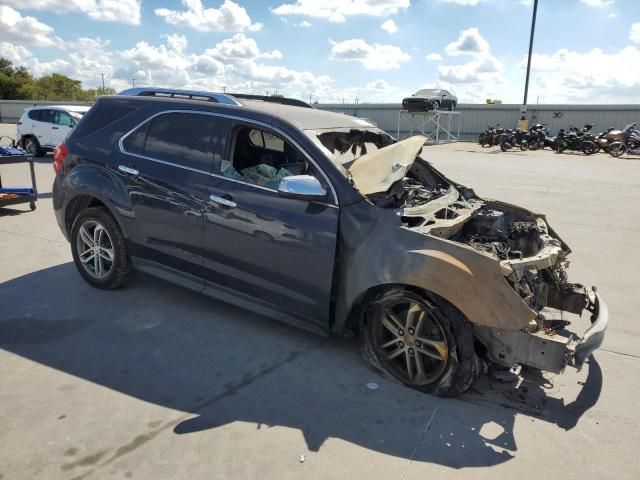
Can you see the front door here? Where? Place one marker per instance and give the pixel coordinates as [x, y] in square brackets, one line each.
[166, 164]
[276, 251]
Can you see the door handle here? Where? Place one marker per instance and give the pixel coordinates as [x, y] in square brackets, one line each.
[223, 201]
[129, 170]
[54, 128]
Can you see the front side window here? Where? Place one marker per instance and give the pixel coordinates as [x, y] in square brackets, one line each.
[63, 118]
[262, 158]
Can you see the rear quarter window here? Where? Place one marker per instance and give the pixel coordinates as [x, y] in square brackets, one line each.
[102, 114]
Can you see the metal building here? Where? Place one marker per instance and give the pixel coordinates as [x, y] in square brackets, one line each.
[475, 118]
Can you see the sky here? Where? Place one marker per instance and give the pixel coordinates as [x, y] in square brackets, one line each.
[585, 51]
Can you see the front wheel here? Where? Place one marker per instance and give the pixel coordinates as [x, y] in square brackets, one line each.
[588, 148]
[99, 249]
[617, 149]
[524, 145]
[505, 145]
[424, 343]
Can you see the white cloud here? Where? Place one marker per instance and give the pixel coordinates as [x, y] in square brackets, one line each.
[433, 57]
[612, 15]
[14, 53]
[526, 3]
[634, 34]
[25, 30]
[587, 77]
[304, 24]
[479, 78]
[229, 17]
[339, 10]
[123, 11]
[372, 57]
[378, 85]
[598, 3]
[469, 42]
[389, 26]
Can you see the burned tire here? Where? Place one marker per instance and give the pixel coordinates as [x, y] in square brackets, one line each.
[425, 343]
[99, 249]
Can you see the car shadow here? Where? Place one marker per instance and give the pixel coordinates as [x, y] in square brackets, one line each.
[219, 364]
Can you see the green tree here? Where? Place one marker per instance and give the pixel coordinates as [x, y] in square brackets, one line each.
[14, 82]
[494, 101]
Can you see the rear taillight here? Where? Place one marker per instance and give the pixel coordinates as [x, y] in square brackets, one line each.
[59, 154]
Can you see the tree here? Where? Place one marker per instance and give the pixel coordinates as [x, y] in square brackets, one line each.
[494, 101]
[17, 83]
[14, 82]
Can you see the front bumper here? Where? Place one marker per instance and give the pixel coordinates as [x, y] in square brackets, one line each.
[594, 336]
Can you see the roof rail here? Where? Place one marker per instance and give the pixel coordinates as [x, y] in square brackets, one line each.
[265, 98]
[185, 94]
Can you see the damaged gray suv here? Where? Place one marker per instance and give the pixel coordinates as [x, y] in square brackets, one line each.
[324, 221]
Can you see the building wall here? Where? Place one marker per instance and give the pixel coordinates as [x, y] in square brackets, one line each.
[475, 118]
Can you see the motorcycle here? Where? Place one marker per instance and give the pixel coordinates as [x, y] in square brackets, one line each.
[512, 138]
[535, 137]
[491, 136]
[630, 142]
[575, 140]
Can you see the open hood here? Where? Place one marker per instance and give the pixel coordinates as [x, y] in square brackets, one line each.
[375, 172]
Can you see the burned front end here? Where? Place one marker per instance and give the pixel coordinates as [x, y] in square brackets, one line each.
[532, 258]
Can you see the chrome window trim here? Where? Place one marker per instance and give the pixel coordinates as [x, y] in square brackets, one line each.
[230, 117]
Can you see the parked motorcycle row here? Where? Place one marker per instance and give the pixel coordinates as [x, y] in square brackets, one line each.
[613, 141]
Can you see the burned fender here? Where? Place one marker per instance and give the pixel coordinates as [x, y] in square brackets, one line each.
[376, 250]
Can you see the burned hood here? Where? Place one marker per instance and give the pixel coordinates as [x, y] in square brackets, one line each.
[375, 172]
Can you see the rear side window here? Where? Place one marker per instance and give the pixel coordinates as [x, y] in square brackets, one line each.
[47, 116]
[100, 115]
[182, 138]
[35, 115]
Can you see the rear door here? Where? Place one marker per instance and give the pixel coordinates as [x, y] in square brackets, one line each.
[165, 165]
[275, 251]
[42, 126]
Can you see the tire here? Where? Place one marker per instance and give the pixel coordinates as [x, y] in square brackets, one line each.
[435, 105]
[115, 271]
[534, 145]
[446, 355]
[524, 145]
[617, 149]
[451, 106]
[31, 145]
[588, 147]
[505, 145]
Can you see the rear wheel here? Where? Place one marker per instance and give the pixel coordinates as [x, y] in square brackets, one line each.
[32, 146]
[534, 145]
[99, 249]
[424, 343]
[524, 145]
[505, 145]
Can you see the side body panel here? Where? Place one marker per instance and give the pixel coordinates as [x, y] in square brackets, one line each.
[375, 250]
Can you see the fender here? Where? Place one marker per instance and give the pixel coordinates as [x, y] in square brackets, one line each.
[99, 182]
[376, 250]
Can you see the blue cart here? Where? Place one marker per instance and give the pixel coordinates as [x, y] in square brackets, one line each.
[17, 195]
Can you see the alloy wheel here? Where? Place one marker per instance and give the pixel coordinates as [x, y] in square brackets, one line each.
[95, 249]
[410, 340]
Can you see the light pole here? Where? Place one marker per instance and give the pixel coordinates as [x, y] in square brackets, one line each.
[533, 29]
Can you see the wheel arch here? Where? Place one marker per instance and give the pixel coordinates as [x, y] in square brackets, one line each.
[90, 185]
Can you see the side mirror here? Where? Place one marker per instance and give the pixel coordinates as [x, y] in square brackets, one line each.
[303, 187]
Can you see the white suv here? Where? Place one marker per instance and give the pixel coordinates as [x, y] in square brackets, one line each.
[42, 128]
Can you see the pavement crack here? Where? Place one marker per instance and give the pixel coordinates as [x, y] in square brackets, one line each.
[620, 353]
[420, 440]
[35, 237]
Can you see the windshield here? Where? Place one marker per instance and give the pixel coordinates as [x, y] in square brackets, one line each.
[347, 144]
[428, 91]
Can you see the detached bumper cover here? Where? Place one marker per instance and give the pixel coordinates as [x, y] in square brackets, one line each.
[593, 337]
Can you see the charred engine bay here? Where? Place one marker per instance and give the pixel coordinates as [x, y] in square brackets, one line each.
[531, 258]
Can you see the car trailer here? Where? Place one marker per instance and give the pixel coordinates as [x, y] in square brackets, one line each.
[17, 195]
